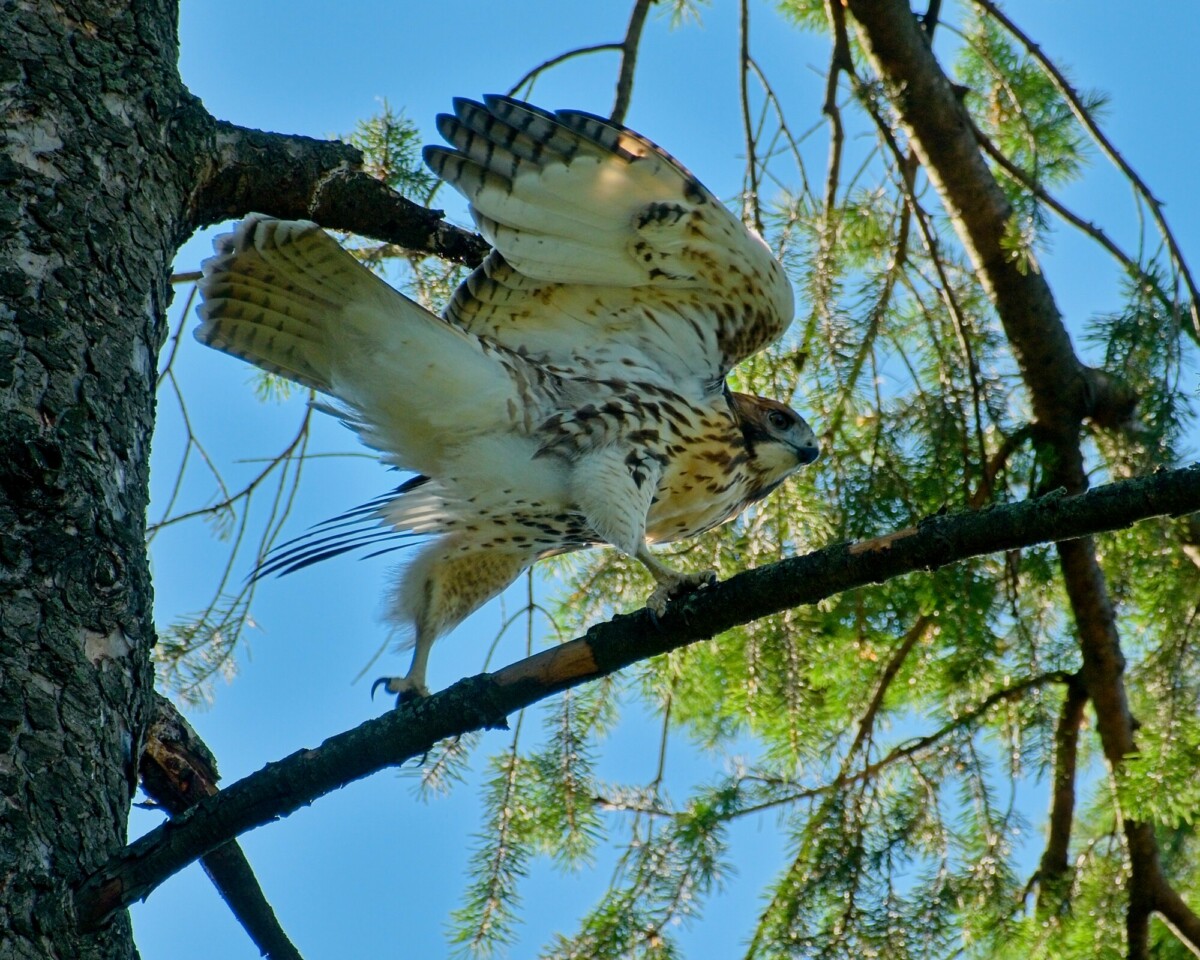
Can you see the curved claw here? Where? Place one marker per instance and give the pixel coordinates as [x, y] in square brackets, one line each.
[382, 681]
[405, 689]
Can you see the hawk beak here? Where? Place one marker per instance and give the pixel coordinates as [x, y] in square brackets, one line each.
[808, 453]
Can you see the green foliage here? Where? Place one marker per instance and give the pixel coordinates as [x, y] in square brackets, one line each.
[391, 146]
[195, 650]
[890, 730]
[1019, 108]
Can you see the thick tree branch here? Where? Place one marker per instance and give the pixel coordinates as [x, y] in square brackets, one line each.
[1062, 390]
[295, 177]
[177, 771]
[485, 700]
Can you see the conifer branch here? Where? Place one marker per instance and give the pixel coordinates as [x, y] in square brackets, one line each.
[1084, 116]
[1062, 390]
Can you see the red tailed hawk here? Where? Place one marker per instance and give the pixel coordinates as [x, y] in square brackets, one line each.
[573, 391]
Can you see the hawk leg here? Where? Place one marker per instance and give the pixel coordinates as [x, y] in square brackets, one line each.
[671, 583]
[448, 580]
[411, 686]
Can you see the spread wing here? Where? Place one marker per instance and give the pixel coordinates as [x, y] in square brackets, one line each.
[611, 258]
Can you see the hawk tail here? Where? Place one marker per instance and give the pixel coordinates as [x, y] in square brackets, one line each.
[271, 293]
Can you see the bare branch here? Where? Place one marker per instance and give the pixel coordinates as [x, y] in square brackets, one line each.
[555, 61]
[1083, 115]
[1054, 866]
[839, 60]
[178, 771]
[485, 701]
[750, 206]
[629, 52]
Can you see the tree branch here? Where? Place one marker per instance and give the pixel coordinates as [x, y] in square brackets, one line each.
[177, 771]
[533, 74]
[1075, 102]
[296, 177]
[1054, 866]
[629, 53]
[1063, 391]
[484, 701]
[866, 726]
[751, 210]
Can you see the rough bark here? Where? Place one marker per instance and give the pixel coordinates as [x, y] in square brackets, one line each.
[90, 222]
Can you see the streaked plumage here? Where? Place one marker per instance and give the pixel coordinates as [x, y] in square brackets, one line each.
[572, 394]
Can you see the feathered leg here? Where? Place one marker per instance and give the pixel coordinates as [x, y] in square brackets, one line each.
[451, 578]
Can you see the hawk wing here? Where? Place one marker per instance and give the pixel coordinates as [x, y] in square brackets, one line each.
[611, 258]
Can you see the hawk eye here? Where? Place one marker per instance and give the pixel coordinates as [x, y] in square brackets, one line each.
[779, 420]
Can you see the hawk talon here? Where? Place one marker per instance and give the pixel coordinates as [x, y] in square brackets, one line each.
[677, 585]
[406, 690]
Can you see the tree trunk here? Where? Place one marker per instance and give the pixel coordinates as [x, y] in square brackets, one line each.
[92, 212]
[107, 165]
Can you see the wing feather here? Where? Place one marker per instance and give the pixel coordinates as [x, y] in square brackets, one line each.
[604, 241]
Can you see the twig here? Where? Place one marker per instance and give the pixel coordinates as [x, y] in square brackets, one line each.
[908, 750]
[866, 725]
[839, 60]
[997, 462]
[1086, 227]
[555, 61]
[750, 209]
[1075, 102]
[629, 53]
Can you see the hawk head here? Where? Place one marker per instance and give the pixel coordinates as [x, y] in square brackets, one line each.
[778, 439]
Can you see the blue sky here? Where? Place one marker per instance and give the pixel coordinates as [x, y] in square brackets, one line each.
[372, 871]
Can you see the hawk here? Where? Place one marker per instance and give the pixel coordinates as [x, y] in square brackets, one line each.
[572, 393]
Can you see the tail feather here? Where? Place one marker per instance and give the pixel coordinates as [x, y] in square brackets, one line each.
[286, 297]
